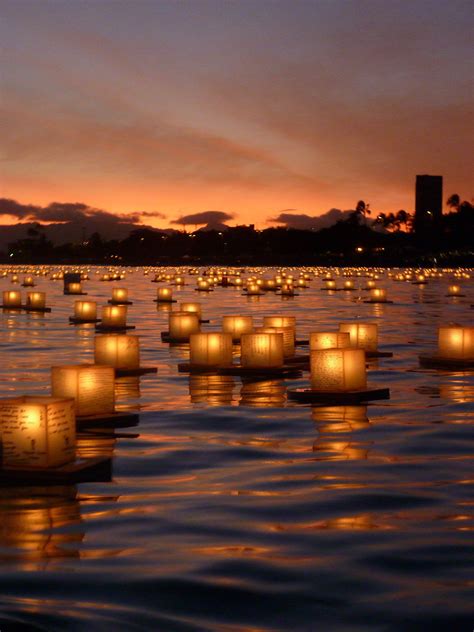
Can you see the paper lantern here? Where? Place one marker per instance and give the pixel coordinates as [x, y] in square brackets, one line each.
[328, 340]
[280, 321]
[370, 284]
[119, 295]
[191, 307]
[338, 370]
[179, 280]
[454, 290]
[262, 350]
[114, 316]
[36, 300]
[210, 349]
[348, 285]
[14, 278]
[378, 295]
[118, 350]
[28, 281]
[91, 386]
[456, 342]
[164, 295]
[85, 310]
[203, 286]
[37, 432]
[74, 288]
[237, 325]
[330, 285]
[182, 325]
[287, 289]
[288, 338]
[11, 298]
[362, 335]
[253, 289]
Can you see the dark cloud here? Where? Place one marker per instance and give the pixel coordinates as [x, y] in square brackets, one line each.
[205, 217]
[302, 221]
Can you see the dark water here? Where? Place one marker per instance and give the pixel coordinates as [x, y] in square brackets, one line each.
[232, 509]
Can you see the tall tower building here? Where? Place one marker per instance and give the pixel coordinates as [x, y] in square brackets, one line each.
[428, 209]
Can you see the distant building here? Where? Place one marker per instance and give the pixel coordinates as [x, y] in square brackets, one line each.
[428, 209]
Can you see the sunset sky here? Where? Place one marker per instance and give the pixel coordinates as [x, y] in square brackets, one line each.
[248, 107]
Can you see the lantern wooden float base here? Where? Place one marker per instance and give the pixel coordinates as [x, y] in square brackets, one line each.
[419, 282]
[97, 469]
[437, 362]
[456, 296]
[79, 321]
[45, 310]
[164, 300]
[378, 354]
[165, 337]
[16, 308]
[302, 343]
[196, 289]
[237, 369]
[204, 321]
[141, 370]
[287, 295]
[116, 420]
[307, 395]
[110, 330]
[111, 302]
[375, 301]
[75, 293]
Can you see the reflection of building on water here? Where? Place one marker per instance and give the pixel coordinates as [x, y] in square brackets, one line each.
[340, 418]
[127, 390]
[32, 524]
[262, 394]
[215, 390]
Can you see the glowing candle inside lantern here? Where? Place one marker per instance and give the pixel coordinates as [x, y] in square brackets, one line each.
[288, 338]
[362, 335]
[179, 280]
[36, 299]
[280, 321]
[203, 285]
[328, 340]
[74, 288]
[191, 307]
[85, 310]
[287, 289]
[330, 284]
[348, 285]
[11, 298]
[378, 295]
[253, 289]
[210, 349]
[119, 295]
[371, 284]
[338, 370]
[456, 342]
[120, 351]
[182, 325]
[28, 281]
[454, 290]
[262, 350]
[91, 386]
[37, 431]
[237, 325]
[164, 294]
[114, 316]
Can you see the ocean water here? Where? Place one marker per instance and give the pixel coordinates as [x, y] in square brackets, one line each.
[233, 509]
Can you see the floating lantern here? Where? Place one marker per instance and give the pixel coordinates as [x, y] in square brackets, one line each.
[114, 317]
[191, 307]
[253, 289]
[11, 298]
[28, 281]
[287, 289]
[348, 285]
[37, 432]
[15, 278]
[338, 370]
[262, 350]
[330, 284]
[91, 386]
[454, 290]
[237, 325]
[378, 295]
[370, 284]
[36, 300]
[119, 295]
[73, 288]
[362, 335]
[203, 286]
[456, 342]
[164, 295]
[182, 325]
[328, 340]
[210, 349]
[179, 280]
[117, 350]
[288, 338]
[280, 321]
[85, 311]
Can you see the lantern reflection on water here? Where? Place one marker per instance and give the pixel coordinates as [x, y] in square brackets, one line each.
[262, 350]
[37, 432]
[338, 370]
[210, 349]
[91, 386]
[120, 351]
[214, 390]
[263, 394]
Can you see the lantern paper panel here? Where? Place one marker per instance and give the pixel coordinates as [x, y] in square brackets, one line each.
[90, 385]
[378, 294]
[11, 298]
[74, 288]
[362, 335]
[120, 351]
[114, 316]
[36, 299]
[183, 324]
[262, 350]
[119, 295]
[338, 370]
[328, 340]
[237, 325]
[37, 431]
[456, 342]
[211, 349]
[288, 338]
[164, 294]
[191, 307]
[85, 310]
